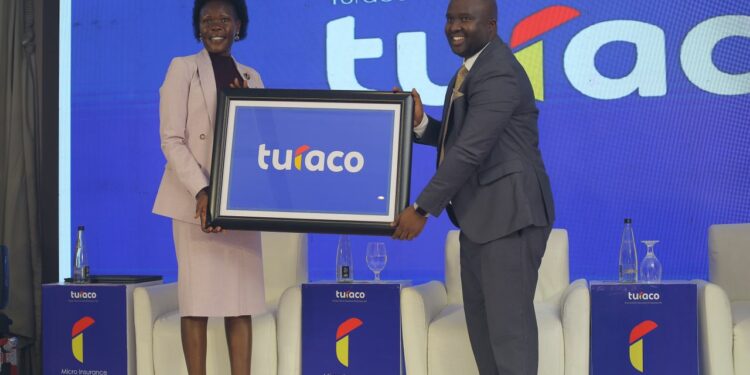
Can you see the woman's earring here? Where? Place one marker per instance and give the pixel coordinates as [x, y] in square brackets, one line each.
[200, 37]
[237, 36]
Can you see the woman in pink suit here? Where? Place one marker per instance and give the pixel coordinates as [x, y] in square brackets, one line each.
[219, 274]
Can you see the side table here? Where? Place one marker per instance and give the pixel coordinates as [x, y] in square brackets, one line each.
[644, 328]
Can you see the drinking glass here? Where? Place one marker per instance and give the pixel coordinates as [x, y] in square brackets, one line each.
[650, 265]
[376, 258]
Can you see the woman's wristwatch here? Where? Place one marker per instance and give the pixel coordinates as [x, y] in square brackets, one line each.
[420, 210]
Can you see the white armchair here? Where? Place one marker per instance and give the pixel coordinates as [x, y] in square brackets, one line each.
[436, 340]
[724, 302]
[157, 318]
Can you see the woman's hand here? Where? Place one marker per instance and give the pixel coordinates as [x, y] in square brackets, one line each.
[236, 84]
[201, 208]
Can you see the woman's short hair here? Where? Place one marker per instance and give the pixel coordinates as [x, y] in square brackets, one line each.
[240, 10]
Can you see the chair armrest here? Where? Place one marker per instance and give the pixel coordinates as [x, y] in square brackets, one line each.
[419, 305]
[716, 330]
[575, 310]
[149, 303]
[289, 332]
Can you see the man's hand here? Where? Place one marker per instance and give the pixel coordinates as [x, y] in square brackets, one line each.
[201, 207]
[418, 108]
[409, 224]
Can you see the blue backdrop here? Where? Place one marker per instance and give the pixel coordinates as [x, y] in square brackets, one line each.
[644, 114]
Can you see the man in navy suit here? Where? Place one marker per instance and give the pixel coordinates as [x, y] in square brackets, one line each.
[492, 181]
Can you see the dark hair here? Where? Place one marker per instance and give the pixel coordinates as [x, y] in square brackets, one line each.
[240, 10]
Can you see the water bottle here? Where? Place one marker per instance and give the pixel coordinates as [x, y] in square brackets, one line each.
[344, 260]
[81, 263]
[628, 255]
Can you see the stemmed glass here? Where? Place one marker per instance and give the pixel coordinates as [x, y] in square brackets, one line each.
[650, 265]
[376, 258]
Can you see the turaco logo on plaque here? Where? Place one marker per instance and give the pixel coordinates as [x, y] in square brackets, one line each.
[342, 339]
[77, 336]
[313, 161]
[636, 342]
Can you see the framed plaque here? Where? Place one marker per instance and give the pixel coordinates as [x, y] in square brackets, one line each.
[311, 160]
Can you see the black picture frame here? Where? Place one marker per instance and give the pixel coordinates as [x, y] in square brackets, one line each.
[289, 221]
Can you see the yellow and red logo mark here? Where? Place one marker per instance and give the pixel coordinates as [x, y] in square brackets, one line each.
[636, 342]
[77, 335]
[298, 156]
[342, 339]
[532, 57]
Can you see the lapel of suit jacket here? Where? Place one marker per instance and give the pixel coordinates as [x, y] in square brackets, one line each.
[459, 101]
[447, 101]
[208, 83]
[244, 72]
[446, 110]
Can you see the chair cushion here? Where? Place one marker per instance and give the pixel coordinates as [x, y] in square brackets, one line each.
[448, 347]
[169, 359]
[553, 272]
[729, 257]
[449, 351]
[284, 263]
[551, 339]
[741, 318]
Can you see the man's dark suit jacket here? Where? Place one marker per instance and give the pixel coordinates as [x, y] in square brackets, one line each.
[492, 173]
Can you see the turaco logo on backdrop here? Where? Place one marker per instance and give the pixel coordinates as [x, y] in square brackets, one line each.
[636, 342]
[303, 157]
[647, 77]
[532, 57]
[77, 336]
[342, 339]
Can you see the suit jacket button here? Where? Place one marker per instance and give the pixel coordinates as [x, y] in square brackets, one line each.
[203, 136]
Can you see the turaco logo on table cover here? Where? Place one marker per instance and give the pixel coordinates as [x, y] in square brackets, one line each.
[636, 342]
[342, 339]
[77, 336]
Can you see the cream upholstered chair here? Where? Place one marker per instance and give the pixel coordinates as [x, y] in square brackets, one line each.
[157, 318]
[436, 340]
[724, 302]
